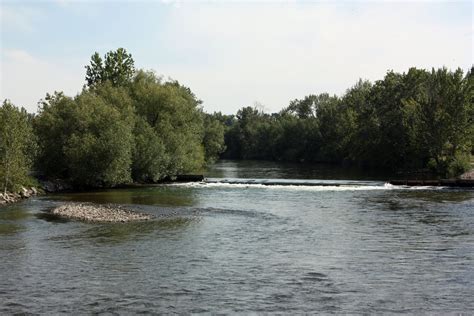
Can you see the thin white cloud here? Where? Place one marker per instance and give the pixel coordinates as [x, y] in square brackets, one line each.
[234, 54]
[274, 53]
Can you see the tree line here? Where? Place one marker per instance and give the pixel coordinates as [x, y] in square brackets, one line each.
[130, 125]
[126, 125]
[418, 120]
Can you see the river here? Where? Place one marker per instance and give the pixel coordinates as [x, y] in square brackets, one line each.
[339, 241]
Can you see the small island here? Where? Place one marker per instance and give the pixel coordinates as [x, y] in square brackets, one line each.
[89, 212]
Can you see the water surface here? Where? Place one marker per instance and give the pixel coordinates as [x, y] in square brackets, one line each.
[355, 245]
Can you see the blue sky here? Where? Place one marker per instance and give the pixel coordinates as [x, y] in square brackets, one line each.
[231, 54]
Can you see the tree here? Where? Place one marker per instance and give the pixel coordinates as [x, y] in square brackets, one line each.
[16, 144]
[149, 159]
[444, 120]
[175, 114]
[87, 139]
[99, 148]
[337, 125]
[406, 121]
[213, 140]
[95, 72]
[116, 67]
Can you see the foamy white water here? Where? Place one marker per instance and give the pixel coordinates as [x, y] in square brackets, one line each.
[299, 185]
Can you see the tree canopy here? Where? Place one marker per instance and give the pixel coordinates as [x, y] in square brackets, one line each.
[118, 67]
[131, 125]
[406, 121]
[127, 125]
[16, 147]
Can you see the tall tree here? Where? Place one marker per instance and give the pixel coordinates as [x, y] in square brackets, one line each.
[16, 141]
[118, 67]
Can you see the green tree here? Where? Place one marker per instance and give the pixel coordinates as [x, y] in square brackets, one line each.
[175, 114]
[16, 144]
[444, 120]
[337, 126]
[150, 159]
[213, 140]
[86, 139]
[116, 67]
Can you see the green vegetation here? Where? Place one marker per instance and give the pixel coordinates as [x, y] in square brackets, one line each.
[130, 125]
[17, 147]
[126, 125]
[410, 121]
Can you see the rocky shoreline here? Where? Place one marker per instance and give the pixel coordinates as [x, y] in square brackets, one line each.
[89, 212]
[12, 197]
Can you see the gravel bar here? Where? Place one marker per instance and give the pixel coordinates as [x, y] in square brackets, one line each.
[98, 213]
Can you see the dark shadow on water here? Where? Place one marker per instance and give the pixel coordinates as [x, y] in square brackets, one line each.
[10, 218]
[438, 196]
[13, 213]
[410, 199]
[156, 195]
[52, 218]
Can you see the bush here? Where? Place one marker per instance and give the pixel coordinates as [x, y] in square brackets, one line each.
[16, 147]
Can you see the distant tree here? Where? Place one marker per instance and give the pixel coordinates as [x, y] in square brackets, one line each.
[16, 144]
[444, 115]
[304, 108]
[213, 140]
[95, 71]
[116, 67]
[337, 125]
[406, 121]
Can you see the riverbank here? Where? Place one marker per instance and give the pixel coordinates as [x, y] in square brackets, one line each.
[12, 197]
[98, 213]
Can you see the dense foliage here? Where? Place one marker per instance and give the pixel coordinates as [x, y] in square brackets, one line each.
[410, 121]
[17, 147]
[87, 139]
[126, 125]
[130, 125]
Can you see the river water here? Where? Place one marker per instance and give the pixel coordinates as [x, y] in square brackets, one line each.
[337, 242]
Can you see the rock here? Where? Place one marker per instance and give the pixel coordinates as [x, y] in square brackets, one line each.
[24, 193]
[10, 197]
[468, 175]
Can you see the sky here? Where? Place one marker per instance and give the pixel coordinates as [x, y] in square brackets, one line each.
[230, 53]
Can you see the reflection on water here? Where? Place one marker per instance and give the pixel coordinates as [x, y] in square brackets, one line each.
[254, 169]
[10, 228]
[165, 196]
[233, 249]
[13, 213]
